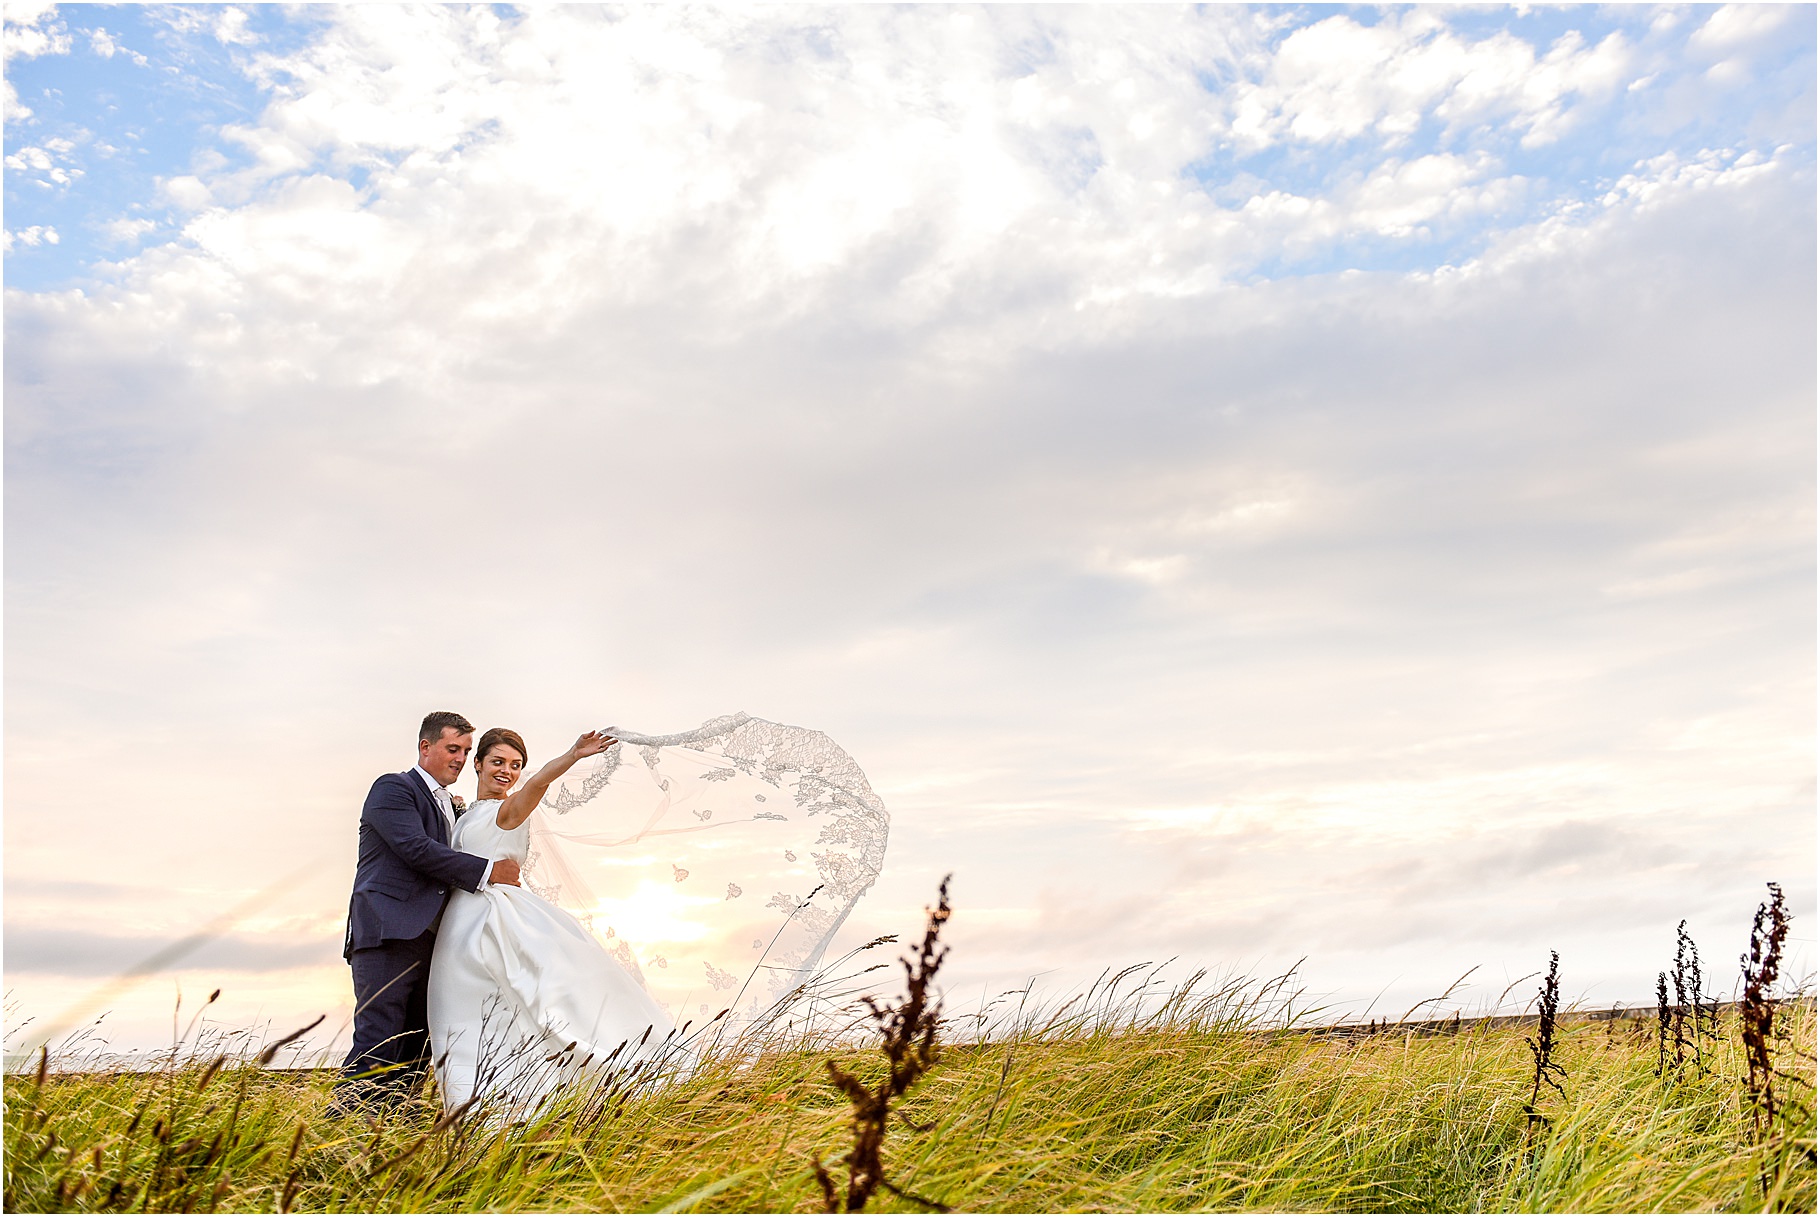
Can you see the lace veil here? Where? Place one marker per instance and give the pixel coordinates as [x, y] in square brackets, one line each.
[715, 864]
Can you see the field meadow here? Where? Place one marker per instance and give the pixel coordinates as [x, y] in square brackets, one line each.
[1203, 1100]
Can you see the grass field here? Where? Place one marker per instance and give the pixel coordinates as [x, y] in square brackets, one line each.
[1186, 1107]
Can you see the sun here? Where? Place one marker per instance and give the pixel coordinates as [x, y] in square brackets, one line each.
[654, 913]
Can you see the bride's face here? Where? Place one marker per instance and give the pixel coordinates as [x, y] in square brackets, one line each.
[498, 771]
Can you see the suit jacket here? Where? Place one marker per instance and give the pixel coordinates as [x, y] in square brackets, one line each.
[406, 867]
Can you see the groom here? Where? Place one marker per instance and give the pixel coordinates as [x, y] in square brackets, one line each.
[401, 883]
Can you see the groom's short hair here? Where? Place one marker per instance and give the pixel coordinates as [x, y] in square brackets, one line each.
[434, 725]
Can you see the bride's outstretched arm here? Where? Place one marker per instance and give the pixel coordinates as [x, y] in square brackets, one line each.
[521, 802]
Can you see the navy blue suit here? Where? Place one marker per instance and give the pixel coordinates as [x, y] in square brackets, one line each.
[401, 883]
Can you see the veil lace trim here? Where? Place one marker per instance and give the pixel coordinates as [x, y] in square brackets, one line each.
[712, 863]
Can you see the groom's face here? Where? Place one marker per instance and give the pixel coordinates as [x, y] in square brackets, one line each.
[443, 758]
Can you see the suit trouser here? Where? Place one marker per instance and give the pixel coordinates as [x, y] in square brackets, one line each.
[391, 1023]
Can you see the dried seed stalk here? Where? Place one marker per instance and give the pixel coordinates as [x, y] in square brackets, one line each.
[1542, 1048]
[1684, 1024]
[1757, 1012]
[1679, 1021]
[271, 1049]
[908, 1035]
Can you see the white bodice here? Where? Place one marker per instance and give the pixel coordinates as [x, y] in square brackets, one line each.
[478, 832]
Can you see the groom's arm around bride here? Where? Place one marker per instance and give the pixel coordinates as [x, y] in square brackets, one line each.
[402, 880]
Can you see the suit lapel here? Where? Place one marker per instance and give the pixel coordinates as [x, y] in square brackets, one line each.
[426, 807]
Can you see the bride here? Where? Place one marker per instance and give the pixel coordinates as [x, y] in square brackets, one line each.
[522, 998]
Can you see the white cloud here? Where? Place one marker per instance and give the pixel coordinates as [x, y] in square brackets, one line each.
[1084, 142]
[1667, 175]
[107, 46]
[1734, 26]
[230, 28]
[53, 162]
[37, 234]
[32, 29]
[1400, 198]
[128, 230]
[29, 158]
[186, 191]
[1340, 80]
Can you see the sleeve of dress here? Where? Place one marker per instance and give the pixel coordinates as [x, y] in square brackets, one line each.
[392, 813]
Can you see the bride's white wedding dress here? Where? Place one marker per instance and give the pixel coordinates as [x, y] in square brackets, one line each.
[522, 999]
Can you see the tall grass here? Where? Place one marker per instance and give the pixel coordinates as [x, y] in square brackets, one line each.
[1127, 1098]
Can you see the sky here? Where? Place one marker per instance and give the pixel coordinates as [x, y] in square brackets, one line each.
[1271, 487]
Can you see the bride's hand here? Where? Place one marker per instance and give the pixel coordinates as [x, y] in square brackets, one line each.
[592, 743]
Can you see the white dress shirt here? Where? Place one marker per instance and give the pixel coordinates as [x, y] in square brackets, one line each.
[446, 805]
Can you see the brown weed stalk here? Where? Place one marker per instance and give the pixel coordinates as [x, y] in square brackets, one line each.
[1683, 1025]
[1683, 1042]
[1757, 1012]
[908, 1041]
[271, 1049]
[1702, 1015]
[1542, 1047]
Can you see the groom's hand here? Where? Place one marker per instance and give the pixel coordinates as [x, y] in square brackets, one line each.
[505, 871]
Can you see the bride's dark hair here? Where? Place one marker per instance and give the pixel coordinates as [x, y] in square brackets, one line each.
[496, 736]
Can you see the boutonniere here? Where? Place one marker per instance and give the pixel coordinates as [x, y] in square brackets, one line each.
[460, 803]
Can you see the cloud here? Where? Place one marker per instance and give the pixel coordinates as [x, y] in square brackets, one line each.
[1339, 80]
[107, 46]
[126, 231]
[35, 235]
[1733, 26]
[186, 191]
[46, 951]
[32, 885]
[230, 28]
[53, 162]
[31, 30]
